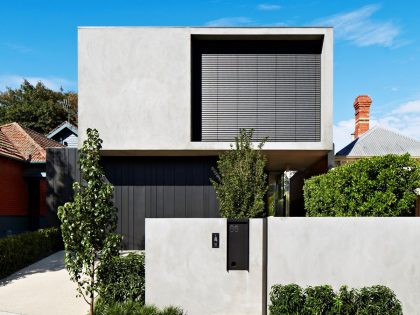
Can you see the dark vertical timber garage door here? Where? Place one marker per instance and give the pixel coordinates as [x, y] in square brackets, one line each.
[159, 187]
[144, 187]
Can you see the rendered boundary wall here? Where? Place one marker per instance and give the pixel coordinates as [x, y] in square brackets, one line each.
[356, 252]
[183, 269]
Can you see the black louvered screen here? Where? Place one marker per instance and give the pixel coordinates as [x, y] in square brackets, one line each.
[276, 93]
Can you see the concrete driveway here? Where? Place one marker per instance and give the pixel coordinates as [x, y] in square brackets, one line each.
[43, 288]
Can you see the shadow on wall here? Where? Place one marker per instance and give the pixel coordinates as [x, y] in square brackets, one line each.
[62, 170]
[297, 202]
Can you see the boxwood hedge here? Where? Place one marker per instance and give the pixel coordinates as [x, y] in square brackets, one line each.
[21, 250]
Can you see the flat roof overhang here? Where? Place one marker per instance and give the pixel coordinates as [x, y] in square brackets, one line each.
[276, 160]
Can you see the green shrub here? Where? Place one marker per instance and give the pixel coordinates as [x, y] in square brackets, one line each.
[319, 300]
[122, 279]
[21, 250]
[133, 308]
[378, 300]
[346, 303]
[377, 186]
[286, 300]
[241, 182]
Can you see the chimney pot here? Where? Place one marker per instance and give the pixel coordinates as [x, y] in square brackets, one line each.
[362, 114]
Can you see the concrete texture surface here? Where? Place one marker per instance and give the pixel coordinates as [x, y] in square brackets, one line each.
[137, 81]
[356, 252]
[43, 288]
[183, 269]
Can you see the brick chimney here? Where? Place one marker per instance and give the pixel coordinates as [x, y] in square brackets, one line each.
[362, 109]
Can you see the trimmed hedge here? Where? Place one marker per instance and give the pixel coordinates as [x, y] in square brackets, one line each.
[21, 250]
[382, 186]
[291, 299]
[122, 279]
[133, 308]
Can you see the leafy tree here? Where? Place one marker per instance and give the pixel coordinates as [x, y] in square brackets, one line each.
[87, 222]
[241, 180]
[377, 186]
[36, 107]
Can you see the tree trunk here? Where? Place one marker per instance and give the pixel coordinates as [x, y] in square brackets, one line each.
[92, 282]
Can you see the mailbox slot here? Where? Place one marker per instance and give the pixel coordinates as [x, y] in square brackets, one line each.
[238, 244]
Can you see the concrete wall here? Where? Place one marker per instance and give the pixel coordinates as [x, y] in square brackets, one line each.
[134, 85]
[353, 251]
[183, 269]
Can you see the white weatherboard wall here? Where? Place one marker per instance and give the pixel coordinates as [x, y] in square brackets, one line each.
[356, 252]
[183, 269]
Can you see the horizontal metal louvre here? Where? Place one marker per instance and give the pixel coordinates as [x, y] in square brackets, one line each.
[276, 94]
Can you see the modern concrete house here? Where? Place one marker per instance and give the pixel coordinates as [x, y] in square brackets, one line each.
[168, 100]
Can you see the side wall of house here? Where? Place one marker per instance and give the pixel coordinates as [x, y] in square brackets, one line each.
[13, 197]
[13, 188]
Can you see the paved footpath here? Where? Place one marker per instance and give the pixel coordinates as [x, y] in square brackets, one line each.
[43, 288]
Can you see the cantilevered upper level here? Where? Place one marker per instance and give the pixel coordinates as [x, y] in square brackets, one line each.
[188, 90]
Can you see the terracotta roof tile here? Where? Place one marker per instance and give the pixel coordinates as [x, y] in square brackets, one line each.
[8, 149]
[30, 144]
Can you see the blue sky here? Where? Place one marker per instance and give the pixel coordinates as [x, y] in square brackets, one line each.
[376, 48]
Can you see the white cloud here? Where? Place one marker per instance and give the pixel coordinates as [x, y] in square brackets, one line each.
[409, 107]
[230, 21]
[343, 133]
[268, 7]
[359, 28]
[404, 119]
[54, 83]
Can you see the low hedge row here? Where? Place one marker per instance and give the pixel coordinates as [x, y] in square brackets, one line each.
[133, 308]
[291, 299]
[21, 250]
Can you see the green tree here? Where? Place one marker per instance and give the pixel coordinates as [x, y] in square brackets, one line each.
[241, 181]
[37, 107]
[87, 222]
[377, 186]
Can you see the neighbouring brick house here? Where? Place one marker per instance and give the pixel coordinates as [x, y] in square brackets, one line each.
[375, 141]
[22, 178]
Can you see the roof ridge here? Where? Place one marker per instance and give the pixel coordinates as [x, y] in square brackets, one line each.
[66, 123]
[8, 124]
[379, 126]
[27, 135]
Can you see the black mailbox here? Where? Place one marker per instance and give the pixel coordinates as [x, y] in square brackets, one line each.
[238, 244]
